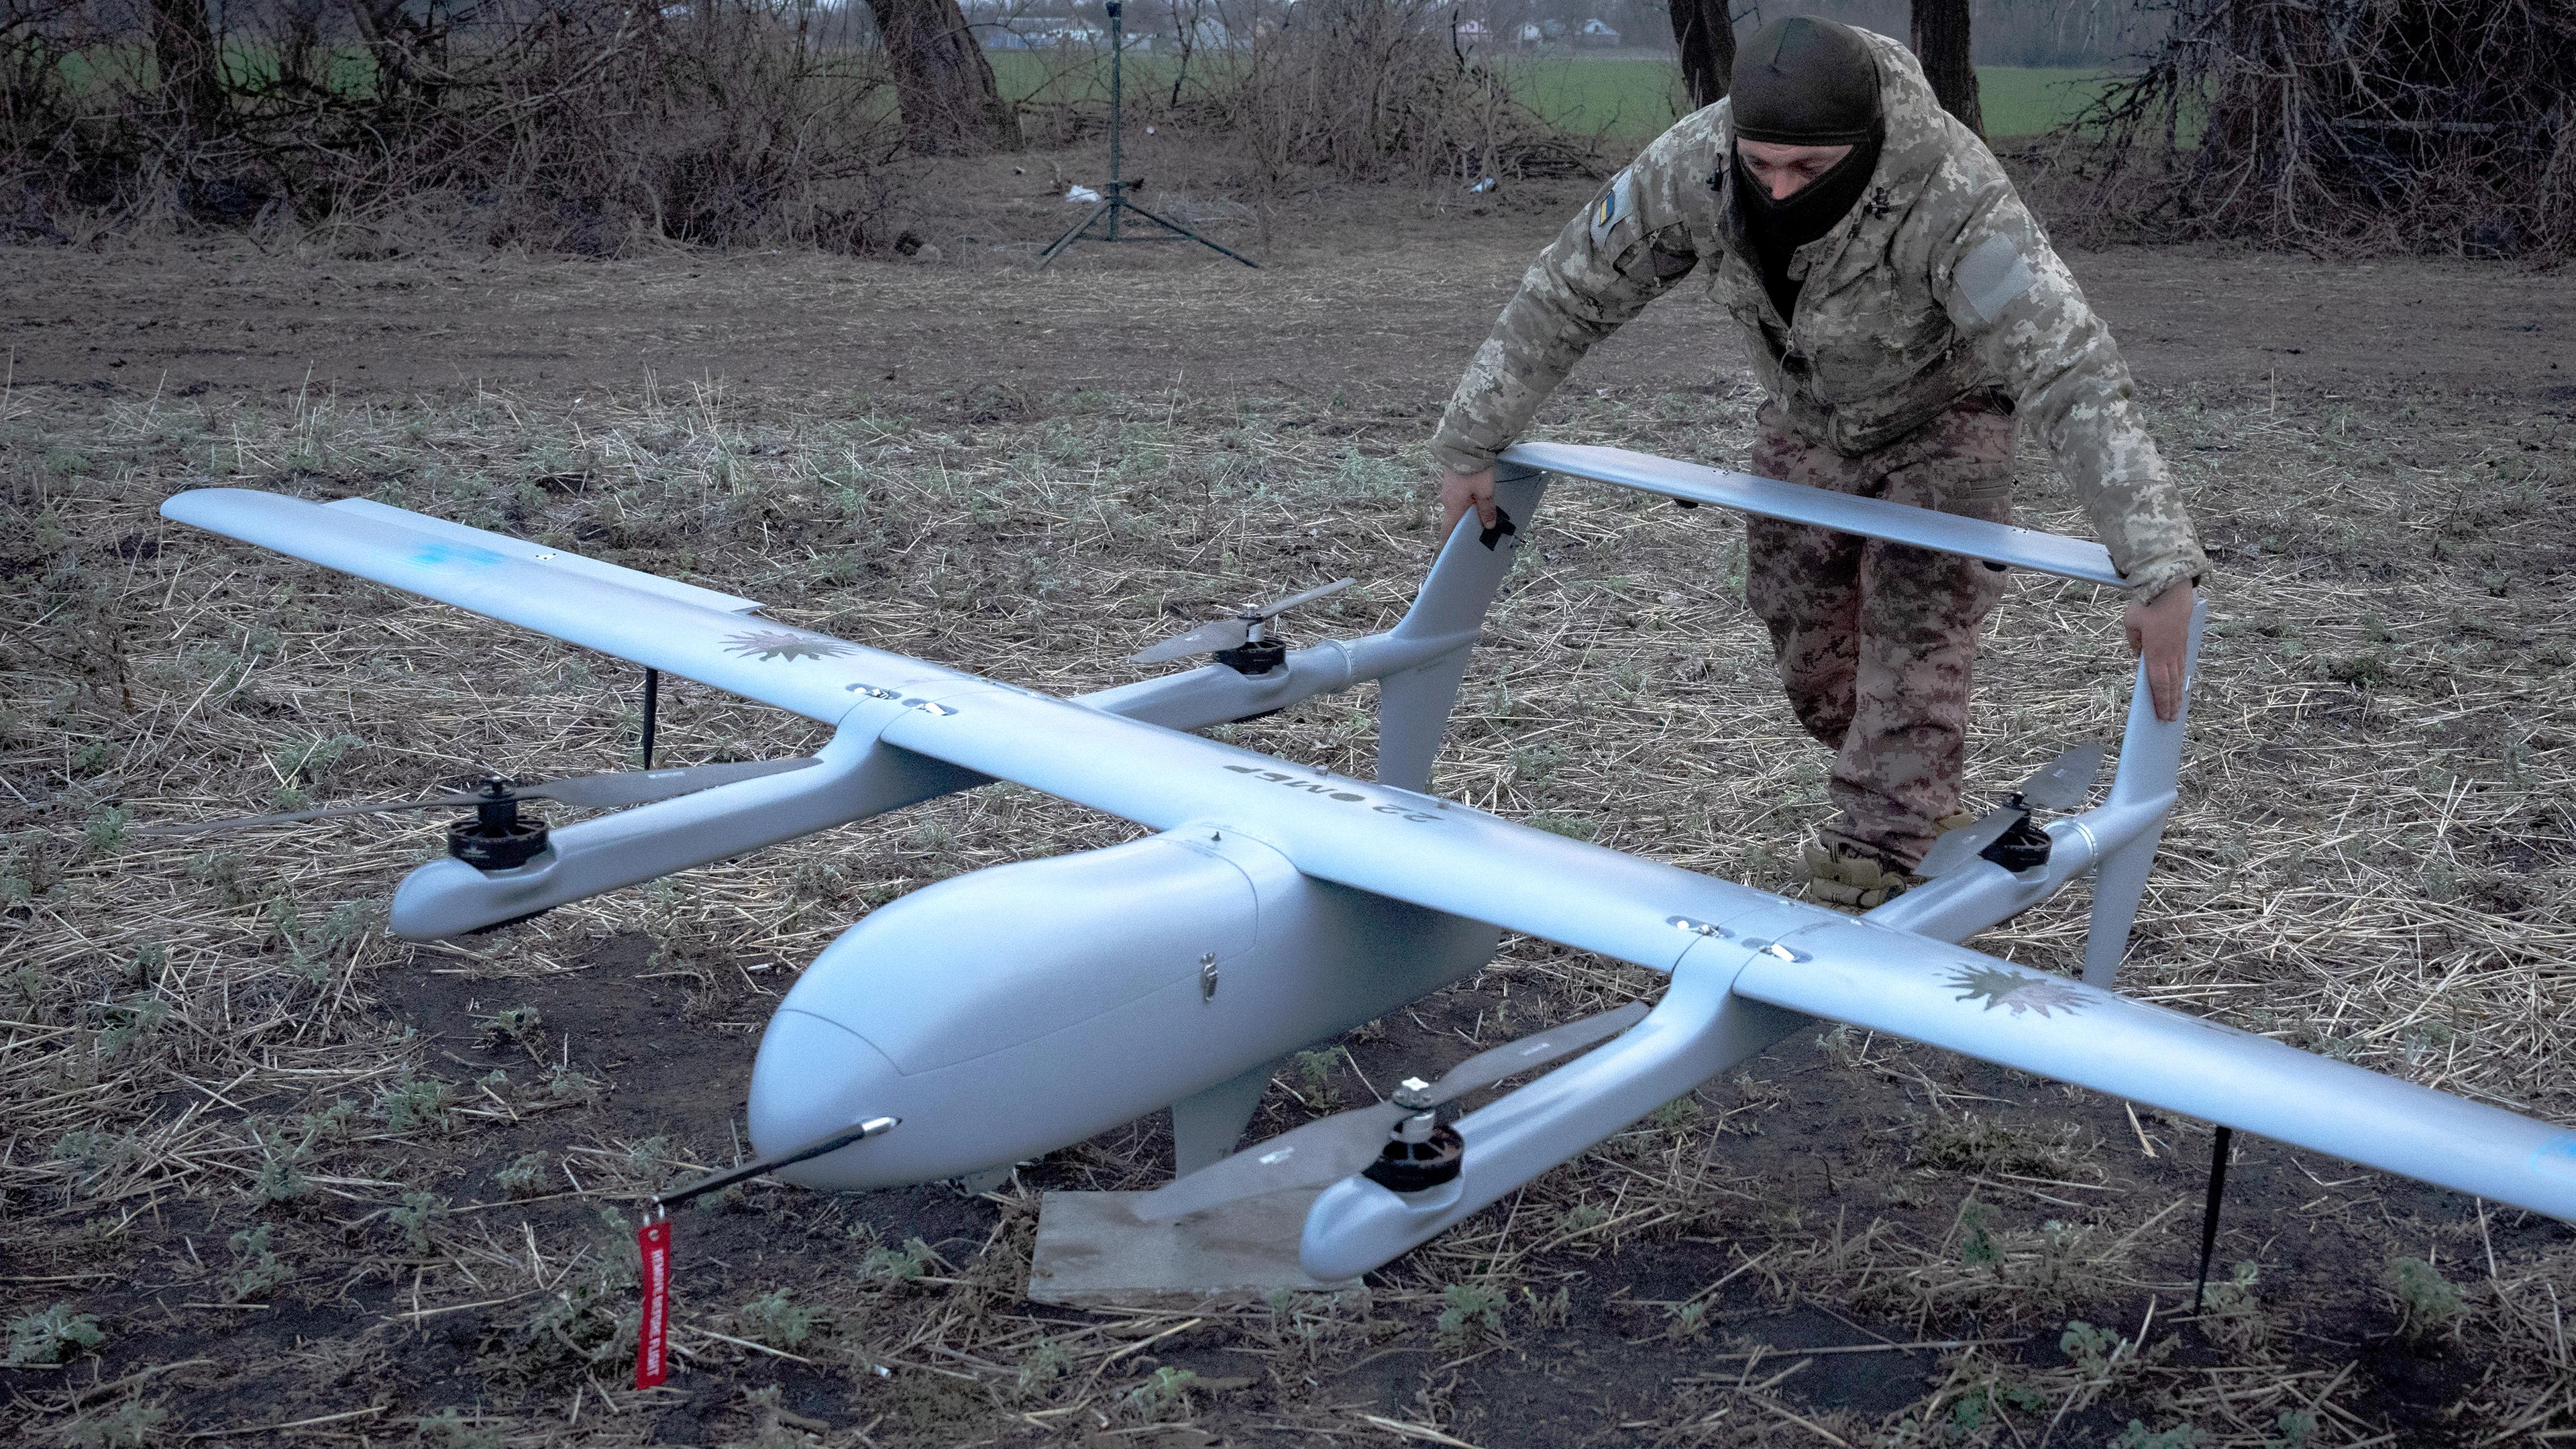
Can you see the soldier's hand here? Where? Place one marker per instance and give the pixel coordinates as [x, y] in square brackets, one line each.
[1460, 492]
[2160, 631]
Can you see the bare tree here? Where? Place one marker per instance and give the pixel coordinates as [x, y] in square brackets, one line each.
[191, 67]
[1941, 43]
[408, 45]
[1705, 30]
[942, 80]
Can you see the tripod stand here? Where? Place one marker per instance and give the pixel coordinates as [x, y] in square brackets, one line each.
[1114, 199]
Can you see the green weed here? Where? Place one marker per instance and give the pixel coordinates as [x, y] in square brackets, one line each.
[1469, 1311]
[451, 1429]
[2426, 1300]
[1164, 1394]
[2180, 1436]
[1315, 1075]
[884, 1266]
[414, 1217]
[130, 1425]
[1045, 1364]
[2091, 1349]
[771, 1319]
[106, 832]
[525, 1175]
[1572, 827]
[53, 1336]
[1977, 1245]
[256, 1266]
[414, 1103]
[523, 1025]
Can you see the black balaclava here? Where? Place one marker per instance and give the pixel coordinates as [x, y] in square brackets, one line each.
[1803, 82]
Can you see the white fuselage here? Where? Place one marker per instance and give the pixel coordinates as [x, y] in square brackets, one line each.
[1008, 1013]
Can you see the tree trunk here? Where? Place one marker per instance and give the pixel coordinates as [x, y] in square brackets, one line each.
[1941, 43]
[1705, 30]
[183, 49]
[942, 80]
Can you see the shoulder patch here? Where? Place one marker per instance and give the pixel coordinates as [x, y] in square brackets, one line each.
[1617, 203]
[1991, 275]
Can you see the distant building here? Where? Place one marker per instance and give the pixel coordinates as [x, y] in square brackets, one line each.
[1474, 32]
[1033, 32]
[1597, 31]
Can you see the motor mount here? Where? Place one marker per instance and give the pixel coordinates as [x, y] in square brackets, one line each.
[497, 836]
[2023, 845]
[1256, 656]
[1422, 1152]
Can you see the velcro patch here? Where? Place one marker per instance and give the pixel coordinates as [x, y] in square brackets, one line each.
[1991, 275]
[1616, 203]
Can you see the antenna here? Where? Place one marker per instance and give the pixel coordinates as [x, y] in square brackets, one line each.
[1113, 199]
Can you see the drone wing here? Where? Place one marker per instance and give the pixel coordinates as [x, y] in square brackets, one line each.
[1393, 842]
[663, 624]
[1949, 996]
[1999, 543]
[1451, 858]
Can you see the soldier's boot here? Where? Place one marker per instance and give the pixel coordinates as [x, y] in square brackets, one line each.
[1846, 875]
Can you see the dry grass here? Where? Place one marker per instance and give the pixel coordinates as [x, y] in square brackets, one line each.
[282, 1206]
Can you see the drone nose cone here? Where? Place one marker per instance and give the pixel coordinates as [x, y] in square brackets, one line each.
[814, 1078]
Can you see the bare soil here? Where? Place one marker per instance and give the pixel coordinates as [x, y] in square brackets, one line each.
[1370, 297]
[1031, 474]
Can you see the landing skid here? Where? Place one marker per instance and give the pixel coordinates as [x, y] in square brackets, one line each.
[1093, 1252]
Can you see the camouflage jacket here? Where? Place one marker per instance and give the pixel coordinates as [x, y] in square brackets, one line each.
[1938, 284]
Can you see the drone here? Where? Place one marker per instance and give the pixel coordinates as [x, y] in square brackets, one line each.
[994, 1017]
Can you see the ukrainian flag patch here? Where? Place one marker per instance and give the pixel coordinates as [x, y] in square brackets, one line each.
[1615, 205]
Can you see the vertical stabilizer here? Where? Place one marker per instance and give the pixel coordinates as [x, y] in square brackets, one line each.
[2149, 775]
[1413, 705]
[1207, 1124]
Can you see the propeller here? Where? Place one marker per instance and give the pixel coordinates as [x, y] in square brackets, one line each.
[1231, 633]
[621, 787]
[2061, 784]
[1328, 1149]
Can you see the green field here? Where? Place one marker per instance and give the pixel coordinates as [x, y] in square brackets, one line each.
[1638, 97]
[1621, 96]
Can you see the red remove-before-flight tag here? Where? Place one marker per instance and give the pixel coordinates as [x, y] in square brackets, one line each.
[653, 1243]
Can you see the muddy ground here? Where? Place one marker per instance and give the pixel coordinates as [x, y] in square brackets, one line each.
[273, 1177]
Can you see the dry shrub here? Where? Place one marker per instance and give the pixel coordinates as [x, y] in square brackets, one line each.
[1377, 90]
[1364, 90]
[572, 124]
[2347, 125]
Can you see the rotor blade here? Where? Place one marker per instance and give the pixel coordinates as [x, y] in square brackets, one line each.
[290, 817]
[621, 787]
[1488, 1067]
[1319, 1154]
[1205, 639]
[2063, 782]
[1329, 1149]
[642, 787]
[1273, 611]
[1961, 847]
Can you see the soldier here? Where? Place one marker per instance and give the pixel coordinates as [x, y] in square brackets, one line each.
[1903, 310]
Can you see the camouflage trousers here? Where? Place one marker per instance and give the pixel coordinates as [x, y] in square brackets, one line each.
[1877, 641]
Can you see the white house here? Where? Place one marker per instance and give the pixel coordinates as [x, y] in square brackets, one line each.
[1597, 31]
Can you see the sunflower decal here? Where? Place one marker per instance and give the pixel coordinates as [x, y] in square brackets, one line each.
[2012, 989]
[784, 644]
